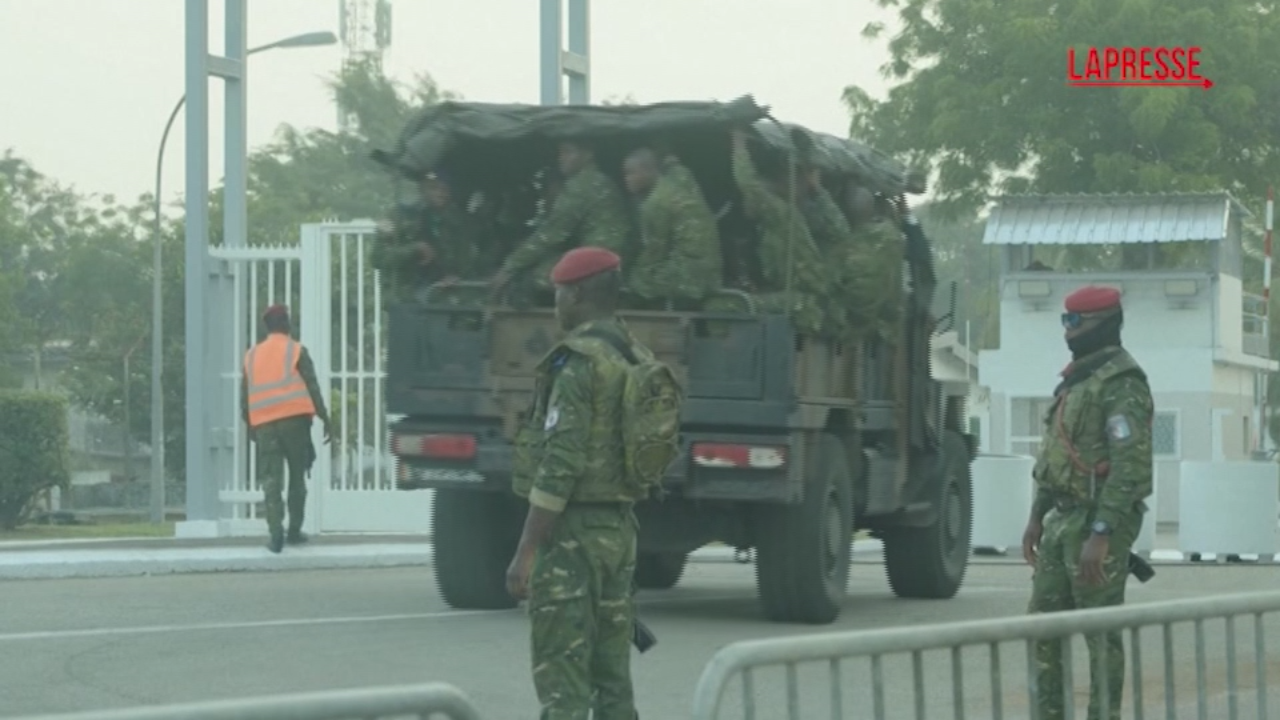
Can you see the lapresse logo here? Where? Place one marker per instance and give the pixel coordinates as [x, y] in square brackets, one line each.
[1135, 66]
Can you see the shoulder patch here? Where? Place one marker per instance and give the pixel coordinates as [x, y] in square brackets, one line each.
[559, 360]
[553, 417]
[1118, 428]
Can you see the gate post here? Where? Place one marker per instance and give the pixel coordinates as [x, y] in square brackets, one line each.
[314, 331]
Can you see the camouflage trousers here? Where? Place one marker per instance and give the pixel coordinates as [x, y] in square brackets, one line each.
[581, 612]
[1055, 588]
[281, 443]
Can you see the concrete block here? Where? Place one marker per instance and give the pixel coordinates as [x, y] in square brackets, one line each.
[1229, 508]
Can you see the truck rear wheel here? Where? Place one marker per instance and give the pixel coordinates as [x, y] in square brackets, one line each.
[659, 571]
[930, 562]
[803, 551]
[473, 543]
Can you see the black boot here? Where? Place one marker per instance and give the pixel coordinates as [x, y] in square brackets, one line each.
[297, 537]
[276, 543]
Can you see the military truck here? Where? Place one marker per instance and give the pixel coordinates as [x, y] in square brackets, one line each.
[790, 443]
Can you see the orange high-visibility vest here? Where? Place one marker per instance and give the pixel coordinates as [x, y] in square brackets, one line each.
[276, 390]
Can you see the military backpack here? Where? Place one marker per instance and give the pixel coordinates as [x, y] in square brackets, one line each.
[650, 421]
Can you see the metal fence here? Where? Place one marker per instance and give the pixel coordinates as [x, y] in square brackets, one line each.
[425, 702]
[910, 691]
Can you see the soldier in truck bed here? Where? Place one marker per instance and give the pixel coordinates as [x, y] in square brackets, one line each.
[590, 210]
[679, 262]
[795, 280]
[430, 241]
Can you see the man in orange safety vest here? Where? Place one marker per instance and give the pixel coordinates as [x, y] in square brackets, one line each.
[279, 397]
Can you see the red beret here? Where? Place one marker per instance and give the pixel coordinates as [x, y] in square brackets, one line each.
[282, 310]
[582, 263]
[1092, 299]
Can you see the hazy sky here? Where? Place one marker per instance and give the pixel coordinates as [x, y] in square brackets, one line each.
[88, 84]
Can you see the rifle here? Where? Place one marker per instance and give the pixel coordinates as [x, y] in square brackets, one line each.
[1140, 568]
[641, 636]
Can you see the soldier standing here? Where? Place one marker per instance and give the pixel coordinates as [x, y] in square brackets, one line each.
[280, 396]
[577, 554]
[589, 211]
[1092, 475]
[680, 260]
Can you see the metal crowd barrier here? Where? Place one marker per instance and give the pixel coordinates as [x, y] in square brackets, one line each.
[742, 659]
[425, 702]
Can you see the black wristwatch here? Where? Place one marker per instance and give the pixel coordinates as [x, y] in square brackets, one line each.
[1100, 527]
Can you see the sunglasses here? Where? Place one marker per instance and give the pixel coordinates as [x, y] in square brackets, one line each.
[1072, 320]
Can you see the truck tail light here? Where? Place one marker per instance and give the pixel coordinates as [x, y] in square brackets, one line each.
[436, 447]
[753, 457]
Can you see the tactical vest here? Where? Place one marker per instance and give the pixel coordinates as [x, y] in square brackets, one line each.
[1074, 456]
[602, 463]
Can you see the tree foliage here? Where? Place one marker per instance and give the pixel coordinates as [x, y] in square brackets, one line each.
[981, 98]
[315, 175]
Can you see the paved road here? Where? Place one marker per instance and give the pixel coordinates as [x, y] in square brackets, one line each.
[68, 645]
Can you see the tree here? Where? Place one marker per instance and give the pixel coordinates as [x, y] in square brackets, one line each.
[981, 98]
[960, 257]
[41, 225]
[316, 175]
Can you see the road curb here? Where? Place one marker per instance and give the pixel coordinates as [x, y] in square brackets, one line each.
[86, 563]
[50, 564]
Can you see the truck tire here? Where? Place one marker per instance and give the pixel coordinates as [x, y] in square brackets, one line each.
[803, 551]
[659, 571]
[473, 545]
[930, 562]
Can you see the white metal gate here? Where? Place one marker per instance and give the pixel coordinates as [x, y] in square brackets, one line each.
[354, 485]
[335, 299]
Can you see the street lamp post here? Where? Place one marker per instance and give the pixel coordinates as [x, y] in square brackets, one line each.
[313, 39]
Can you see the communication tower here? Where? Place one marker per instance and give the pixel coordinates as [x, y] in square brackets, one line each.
[365, 29]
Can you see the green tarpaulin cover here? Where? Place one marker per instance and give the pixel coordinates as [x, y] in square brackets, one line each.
[440, 130]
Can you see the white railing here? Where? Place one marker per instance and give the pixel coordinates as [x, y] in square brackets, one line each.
[888, 691]
[420, 701]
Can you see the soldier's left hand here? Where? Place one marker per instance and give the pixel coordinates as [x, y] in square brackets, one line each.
[1092, 557]
[518, 576]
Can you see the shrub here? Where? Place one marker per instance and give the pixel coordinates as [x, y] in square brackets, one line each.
[34, 454]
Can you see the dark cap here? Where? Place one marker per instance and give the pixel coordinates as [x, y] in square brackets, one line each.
[276, 311]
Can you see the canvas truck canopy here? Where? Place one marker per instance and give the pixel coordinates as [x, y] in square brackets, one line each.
[485, 140]
[438, 131]
[846, 158]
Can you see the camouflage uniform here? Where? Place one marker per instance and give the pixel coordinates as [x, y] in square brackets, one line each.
[679, 257]
[783, 236]
[568, 459]
[590, 210]
[834, 238]
[1101, 471]
[286, 442]
[870, 271]
[454, 234]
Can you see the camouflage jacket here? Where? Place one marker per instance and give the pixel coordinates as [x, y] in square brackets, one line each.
[1097, 438]
[590, 210]
[455, 236]
[827, 225]
[570, 448]
[680, 246]
[783, 233]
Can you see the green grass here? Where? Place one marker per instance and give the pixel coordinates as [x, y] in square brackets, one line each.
[117, 530]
